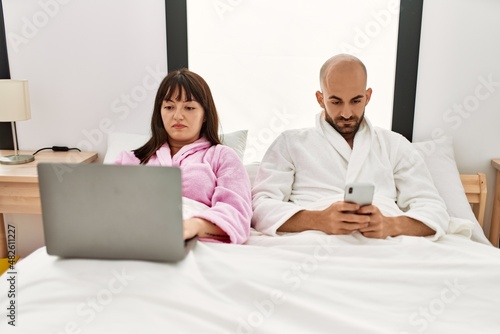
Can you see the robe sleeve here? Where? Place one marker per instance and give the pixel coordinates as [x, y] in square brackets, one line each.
[231, 204]
[273, 187]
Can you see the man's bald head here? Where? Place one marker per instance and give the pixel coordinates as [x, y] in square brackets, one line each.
[341, 62]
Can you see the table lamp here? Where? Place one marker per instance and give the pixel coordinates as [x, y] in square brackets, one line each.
[14, 106]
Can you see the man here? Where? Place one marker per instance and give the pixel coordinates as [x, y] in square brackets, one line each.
[300, 183]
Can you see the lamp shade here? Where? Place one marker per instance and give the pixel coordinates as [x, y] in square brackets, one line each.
[14, 100]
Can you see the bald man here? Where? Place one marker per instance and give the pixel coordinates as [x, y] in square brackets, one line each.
[300, 183]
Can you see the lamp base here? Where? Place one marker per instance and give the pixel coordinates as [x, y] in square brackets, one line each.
[16, 159]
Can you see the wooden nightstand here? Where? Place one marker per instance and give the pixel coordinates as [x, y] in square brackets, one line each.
[19, 184]
[495, 217]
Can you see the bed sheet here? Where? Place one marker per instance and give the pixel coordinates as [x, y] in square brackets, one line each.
[296, 283]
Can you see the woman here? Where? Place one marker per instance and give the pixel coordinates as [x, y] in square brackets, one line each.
[185, 134]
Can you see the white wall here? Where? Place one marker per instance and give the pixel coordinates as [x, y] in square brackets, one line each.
[458, 90]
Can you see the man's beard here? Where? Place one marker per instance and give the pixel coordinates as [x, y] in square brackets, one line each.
[345, 129]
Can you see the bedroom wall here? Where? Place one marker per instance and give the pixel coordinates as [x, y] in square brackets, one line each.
[458, 90]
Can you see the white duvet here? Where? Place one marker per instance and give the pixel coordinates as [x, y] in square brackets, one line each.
[295, 283]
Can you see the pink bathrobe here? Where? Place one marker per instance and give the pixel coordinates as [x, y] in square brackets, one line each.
[213, 175]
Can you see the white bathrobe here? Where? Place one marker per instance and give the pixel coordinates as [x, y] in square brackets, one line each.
[309, 168]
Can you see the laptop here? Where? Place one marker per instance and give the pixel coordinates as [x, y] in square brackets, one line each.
[98, 211]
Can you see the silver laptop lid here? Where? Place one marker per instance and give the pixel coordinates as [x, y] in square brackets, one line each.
[112, 211]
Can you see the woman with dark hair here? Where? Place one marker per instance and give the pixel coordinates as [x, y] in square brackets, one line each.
[185, 134]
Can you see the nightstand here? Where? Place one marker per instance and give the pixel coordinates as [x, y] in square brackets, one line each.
[19, 185]
[495, 217]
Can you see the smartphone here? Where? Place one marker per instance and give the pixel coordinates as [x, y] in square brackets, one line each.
[359, 192]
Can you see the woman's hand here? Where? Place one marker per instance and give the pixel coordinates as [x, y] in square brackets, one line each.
[191, 228]
[204, 229]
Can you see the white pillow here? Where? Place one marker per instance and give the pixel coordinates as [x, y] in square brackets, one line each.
[120, 141]
[440, 160]
[237, 140]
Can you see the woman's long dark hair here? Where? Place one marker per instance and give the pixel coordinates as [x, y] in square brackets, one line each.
[195, 88]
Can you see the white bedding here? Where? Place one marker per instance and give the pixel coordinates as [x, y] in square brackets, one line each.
[297, 283]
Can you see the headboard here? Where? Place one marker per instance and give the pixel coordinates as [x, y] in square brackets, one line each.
[475, 190]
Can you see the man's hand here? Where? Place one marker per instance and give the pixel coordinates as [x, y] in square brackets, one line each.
[379, 225]
[344, 218]
[382, 227]
[338, 218]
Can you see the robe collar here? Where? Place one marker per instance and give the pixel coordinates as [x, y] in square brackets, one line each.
[165, 159]
[355, 157]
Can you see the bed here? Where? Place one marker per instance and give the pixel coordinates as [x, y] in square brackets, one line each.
[296, 283]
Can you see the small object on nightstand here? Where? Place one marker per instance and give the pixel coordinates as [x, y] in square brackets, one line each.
[14, 106]
[58, 149]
